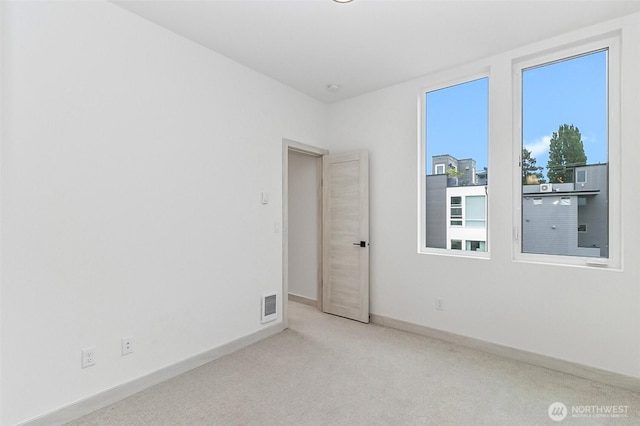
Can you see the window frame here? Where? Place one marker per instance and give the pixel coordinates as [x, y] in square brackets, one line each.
[479, 72]
[610, 42]
[578, 178]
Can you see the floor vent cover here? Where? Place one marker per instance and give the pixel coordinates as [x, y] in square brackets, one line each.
[269, 307]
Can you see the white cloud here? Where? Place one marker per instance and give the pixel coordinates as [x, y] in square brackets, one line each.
[539, 146]
[590, 140]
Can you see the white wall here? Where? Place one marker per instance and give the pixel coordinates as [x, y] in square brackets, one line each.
[303, 225]
[132, 166]
[585, 315]
[132, 163]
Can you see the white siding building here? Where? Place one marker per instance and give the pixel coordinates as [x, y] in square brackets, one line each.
[467, 218]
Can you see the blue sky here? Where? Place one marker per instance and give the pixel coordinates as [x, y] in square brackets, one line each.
[568, 92]
[457, 120]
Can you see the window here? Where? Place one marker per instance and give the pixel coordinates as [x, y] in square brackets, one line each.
[455, 167]
[456, 211]
[476, 246]
[475, 211]
[581, 176]
[566, 133]
[566, 112]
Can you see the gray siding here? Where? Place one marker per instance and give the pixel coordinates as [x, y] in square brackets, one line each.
[549, 227]
[436, 211]
[468, 167]
[445, 159]
[594, 212]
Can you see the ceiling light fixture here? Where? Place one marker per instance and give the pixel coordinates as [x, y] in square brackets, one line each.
[343, 1]
[333, 88]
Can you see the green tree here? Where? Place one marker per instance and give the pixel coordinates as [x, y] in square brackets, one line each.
[453, 172]
[565, 152]
[531, 173]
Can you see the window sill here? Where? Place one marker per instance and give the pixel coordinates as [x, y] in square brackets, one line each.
[455, 253]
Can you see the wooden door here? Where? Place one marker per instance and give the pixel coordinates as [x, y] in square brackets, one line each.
[346, 235]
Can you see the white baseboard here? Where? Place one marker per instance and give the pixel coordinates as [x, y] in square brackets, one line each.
[575, 369]
[303, 300]
[100, 400]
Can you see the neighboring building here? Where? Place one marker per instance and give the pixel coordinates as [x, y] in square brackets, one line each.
[568, 218]
[456, 207]
[441, 163]
[467, 218]
[436, 211]
[482, 176]
[468, 167]
[557, 218]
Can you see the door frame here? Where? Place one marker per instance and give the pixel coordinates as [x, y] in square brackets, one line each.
[287, 147]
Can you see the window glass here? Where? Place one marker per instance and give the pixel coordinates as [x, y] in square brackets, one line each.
[456, 141]
[565, 139]
[476, 246]
[581, 176]
[475, 211]
[456, 211]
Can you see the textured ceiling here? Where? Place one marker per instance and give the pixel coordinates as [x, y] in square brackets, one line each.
[367, 44]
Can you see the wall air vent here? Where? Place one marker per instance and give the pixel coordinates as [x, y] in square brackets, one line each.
[269, 307]
[545, 187]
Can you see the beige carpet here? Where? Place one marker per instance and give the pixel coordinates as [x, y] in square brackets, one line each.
[327, 370]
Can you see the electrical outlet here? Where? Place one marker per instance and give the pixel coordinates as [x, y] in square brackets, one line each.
[127, 345]
[88, 357]
[439, 303]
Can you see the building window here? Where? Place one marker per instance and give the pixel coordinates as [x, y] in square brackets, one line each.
[565, 102]
[456, 211]
[581, 176]
[475, 211]
[476, 246]
[455, 148]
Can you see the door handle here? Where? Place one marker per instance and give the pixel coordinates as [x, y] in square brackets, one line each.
[361, 244]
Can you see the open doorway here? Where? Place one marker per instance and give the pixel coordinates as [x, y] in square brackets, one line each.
[302, 224]
[304, 236]
[326, 230]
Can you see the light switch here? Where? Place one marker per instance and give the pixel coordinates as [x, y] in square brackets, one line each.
[265, 197]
